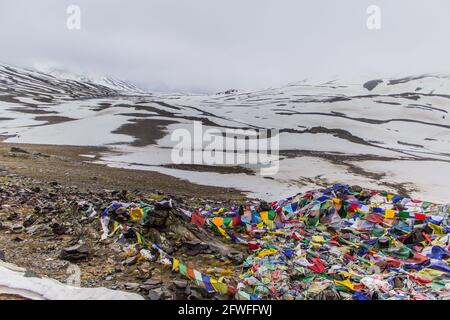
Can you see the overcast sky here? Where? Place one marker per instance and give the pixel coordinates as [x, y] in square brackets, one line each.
[212, 45]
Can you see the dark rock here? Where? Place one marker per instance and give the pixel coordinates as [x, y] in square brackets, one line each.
[151, 284]
[36, 189]
[195, 295]
[157, 219]
[17, 227]
[181, 289]
[75, 253]
[18, 150]
[157, 294]
[170, 250]
[146, 287]
[13, 216]
[130, 261]
[196, 247]
[131, 286]
[30, 274]
[38, 229]
[370, 85]
[236, 256]
[59, 229]
[180, 284]
[264, 206]
[29, 221]
[2, 255]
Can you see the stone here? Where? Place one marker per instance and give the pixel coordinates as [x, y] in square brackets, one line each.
[157, 219]
[237, 257]
[195, 295]
[75, 253]
[18, 150]
[196, 247]
[180, 284]
[17, 227]
[131, 286]
[153, 283]
[59, 229]
[130, 261]
[38, 229]
[29, 221]
[30, 274]
[157, 294]
[13, 216]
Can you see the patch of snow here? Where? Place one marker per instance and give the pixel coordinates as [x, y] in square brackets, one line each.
[14, 282]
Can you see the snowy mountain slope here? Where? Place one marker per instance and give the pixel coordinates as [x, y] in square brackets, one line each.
[46, 87]
[381, 133]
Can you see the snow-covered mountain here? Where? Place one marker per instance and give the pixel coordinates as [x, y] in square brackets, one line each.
[386, 133]
[59, 84]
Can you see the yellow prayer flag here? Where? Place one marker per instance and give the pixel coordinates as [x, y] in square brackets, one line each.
[430, 274]
[220, 287]
[139, 238]
[318, 239]
[267, 252]
[437, 229]
[176, 264]
[264, 215]
[116, 226]
[136, 214]
[270, 224]
[390, 214]
[346, 283]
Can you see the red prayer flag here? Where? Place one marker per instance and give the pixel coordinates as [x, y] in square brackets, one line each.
[318, 266]
[198, 219]
[420, 216]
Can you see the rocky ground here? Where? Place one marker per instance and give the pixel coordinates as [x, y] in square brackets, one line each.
[46, 224]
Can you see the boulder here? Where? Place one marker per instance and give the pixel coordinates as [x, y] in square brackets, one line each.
[75, 253]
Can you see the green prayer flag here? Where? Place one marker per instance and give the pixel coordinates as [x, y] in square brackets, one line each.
[272, 214]
[404, 214]
[183, 270]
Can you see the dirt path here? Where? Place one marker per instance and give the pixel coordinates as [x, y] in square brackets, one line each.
[65, 165]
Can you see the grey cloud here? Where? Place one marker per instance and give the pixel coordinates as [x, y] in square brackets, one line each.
[211, 45]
